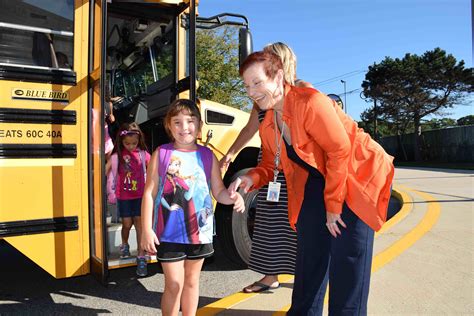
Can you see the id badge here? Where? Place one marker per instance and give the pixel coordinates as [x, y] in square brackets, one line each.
[273, 194]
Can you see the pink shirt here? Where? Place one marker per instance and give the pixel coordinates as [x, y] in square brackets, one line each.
[131, 178]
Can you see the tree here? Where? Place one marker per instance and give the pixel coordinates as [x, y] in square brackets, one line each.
[218, 67]
[439, 123]
[466, 120]
[367, 123]
[411, 88]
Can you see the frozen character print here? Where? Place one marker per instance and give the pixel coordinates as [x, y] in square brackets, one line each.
[177, 206]
[128, 183]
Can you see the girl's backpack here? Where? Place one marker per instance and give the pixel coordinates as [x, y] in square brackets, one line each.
[113, 173]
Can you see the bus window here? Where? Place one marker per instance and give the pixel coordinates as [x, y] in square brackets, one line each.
[37, 34]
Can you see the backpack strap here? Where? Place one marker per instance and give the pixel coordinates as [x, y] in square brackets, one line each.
[164, 155]
[206, 158]
[143, 160]
[114, 168]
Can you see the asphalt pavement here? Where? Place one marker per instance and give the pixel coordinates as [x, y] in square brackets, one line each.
[26, 289]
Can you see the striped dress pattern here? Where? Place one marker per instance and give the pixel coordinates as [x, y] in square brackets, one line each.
[274, 241]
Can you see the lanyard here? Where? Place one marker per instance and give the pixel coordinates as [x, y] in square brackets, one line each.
[278, 145]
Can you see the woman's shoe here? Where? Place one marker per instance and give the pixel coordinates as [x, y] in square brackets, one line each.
[258, 287]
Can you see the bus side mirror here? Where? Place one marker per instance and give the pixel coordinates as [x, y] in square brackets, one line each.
[245, 44]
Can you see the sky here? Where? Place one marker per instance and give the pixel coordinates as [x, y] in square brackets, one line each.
[338, 40]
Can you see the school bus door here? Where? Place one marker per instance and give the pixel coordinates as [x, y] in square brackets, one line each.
[98, 227]
[97, 82]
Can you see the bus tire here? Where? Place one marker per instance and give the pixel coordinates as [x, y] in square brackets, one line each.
[234, 230]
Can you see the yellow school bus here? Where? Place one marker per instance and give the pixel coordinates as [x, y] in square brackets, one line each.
[57, 60]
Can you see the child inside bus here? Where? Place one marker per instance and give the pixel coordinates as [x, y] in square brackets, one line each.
[109, 144]
[175, 207]
[125, 184]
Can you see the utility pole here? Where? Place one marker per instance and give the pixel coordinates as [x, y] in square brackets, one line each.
[345, 101]
[375, 119]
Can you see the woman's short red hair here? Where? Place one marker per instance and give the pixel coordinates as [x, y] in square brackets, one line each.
[271, 63]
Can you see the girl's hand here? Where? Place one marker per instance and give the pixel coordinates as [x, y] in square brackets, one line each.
[332, 221]
[239, 204]
[243, 182]
[149, 241]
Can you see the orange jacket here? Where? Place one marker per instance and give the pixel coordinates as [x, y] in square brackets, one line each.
[356, 169]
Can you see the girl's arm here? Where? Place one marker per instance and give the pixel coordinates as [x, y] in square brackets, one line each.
[111, 179]
[219, 191]
[108, 165]
[149, 238]
[243, 138]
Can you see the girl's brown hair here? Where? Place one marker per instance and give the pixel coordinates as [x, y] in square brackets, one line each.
[128, 129]
[178, 106]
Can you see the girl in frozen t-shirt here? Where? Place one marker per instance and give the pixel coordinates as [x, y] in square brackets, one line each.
[171, 199]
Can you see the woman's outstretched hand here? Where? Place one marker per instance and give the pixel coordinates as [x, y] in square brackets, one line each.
[332, 223]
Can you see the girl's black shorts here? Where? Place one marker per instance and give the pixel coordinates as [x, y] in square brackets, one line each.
[172, 252]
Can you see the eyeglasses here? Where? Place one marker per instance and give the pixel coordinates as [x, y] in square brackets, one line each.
[125, 133]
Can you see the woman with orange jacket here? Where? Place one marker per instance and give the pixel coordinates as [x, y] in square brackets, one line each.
[339, 183]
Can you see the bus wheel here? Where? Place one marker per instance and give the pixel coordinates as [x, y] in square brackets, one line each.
[235, 230]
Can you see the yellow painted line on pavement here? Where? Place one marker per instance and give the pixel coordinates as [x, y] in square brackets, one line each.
[229, 301]
[224, 303]
[409, 239]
